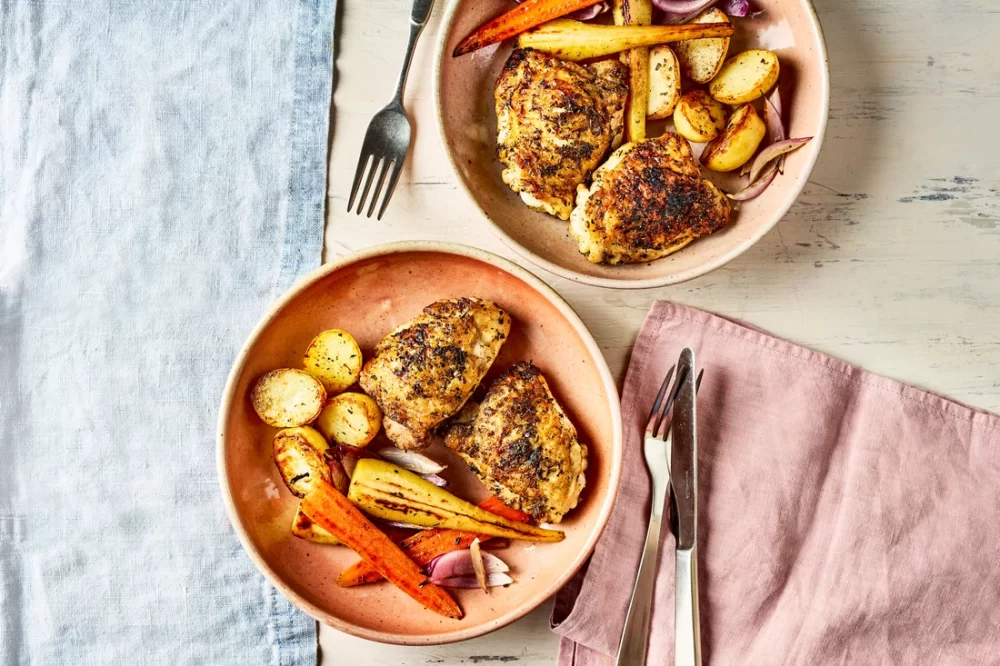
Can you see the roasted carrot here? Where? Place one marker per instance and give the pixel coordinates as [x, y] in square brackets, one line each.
[424, 546]
[329, 509]
[524, 16]
[494, 505]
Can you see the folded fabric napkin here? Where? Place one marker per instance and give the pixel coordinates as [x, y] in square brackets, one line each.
[162, 178]
[845, 518]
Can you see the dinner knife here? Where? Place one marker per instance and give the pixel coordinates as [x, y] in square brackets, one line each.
[683, 479]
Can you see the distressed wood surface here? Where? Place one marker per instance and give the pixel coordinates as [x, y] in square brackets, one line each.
[890, 259]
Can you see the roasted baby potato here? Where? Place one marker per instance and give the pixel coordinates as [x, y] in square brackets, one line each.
[701, 59]
[698, 117]
[664, 82]
[745, 77]
[299, 456]
[304, 528]
[737, 144]
[287, 398]
[351, 419]
[334, 358]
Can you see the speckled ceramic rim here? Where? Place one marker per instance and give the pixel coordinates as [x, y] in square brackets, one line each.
[682, 276]
[615, 462]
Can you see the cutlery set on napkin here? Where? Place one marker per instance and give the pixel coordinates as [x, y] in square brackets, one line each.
[831, 515]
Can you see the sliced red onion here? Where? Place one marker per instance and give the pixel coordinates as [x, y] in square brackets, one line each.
[772, 117]
[755, 189]
[436, 480]
[591, 12]
[739, 8]
[774, 151]
[775, 123]
[459, 563]
[405, 526]
[411, 460]
[470, 582]
[681, 11]
[745, 169]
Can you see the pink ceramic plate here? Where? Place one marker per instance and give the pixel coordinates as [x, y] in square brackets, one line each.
[368, 294]
[468, 127]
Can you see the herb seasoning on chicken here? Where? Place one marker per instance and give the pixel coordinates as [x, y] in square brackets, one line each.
[556, 121]
[647, 201]
[522, 446]
[425, 370]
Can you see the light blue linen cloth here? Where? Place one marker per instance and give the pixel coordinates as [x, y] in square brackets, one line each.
[162, 176]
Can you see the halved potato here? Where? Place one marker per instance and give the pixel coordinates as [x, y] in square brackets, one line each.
[351, 419]
[298, 454]
[737, 144]
[701, 59]
[745, 77]
[664, 82]
[334, 358]
[287, 398]
[698, 117]
[304, 528]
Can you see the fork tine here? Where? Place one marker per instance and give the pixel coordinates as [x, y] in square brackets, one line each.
[668, 405]
[397, 168]
[376, 163]
[378, 186]
[362, 166]
[659, 399]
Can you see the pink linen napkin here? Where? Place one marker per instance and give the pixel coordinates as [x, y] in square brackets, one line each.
[845, 518]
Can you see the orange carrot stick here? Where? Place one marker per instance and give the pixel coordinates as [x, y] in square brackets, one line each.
[424, 546]
[525, 16]
[329, 509]
[494, 505]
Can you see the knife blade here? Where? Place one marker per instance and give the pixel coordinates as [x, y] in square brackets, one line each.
[683, 455]
[683, 478]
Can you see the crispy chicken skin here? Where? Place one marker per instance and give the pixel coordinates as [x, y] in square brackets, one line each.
[556, 121]
[647, 201]
[522, 446]
[425, 370]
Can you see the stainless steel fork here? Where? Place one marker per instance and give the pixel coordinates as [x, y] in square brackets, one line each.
[632, 649]
[656, 451]
[388, 137]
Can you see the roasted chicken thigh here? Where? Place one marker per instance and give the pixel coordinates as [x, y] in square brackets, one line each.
[522, 446]
[647, 201]
[425, 370]
[556, 121]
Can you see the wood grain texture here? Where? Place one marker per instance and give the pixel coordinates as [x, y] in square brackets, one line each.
[890, 259]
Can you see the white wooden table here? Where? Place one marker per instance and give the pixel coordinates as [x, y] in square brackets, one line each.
[890, 259]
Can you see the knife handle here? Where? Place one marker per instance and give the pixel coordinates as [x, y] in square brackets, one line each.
[687, 632]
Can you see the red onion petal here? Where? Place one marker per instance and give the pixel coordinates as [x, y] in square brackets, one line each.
[681, 11]
[745, 169]
[739, 8]
[588, 13]
[772, 117]
[757, 188]
[411, 460]
[774, 151]
[470, 582]
[405, 526]
[436, 480]
[459, 563]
